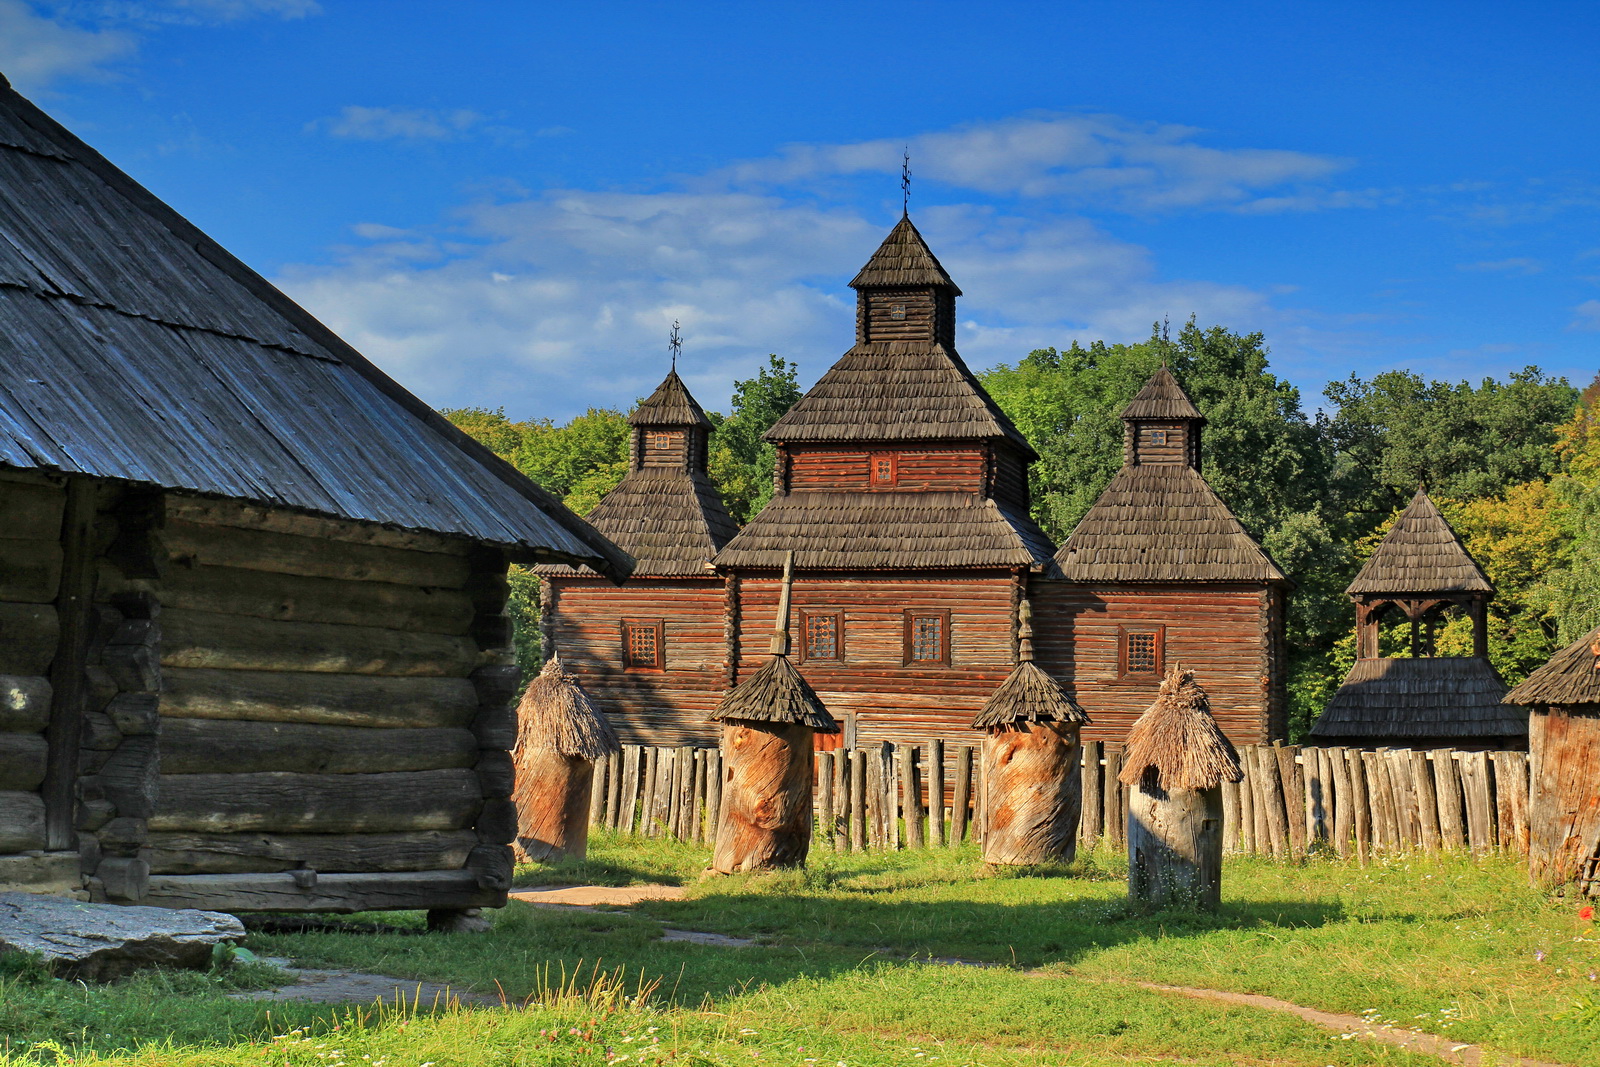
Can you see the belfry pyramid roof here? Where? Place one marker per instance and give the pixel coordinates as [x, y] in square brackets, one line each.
[1162, 398]
[1420, 554]
[670, 405]
[903, 260]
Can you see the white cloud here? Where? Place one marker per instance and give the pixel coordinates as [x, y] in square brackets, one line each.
[37, 51]
[1106, 159]
[398, 124]
[1588, 314]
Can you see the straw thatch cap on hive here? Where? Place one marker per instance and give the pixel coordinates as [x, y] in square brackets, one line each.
[1572, 676]
[776, 693]
[1178, 738]
[557, 715]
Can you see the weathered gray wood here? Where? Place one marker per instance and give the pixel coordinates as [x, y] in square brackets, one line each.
[702, 796]
[893, 833]
[876, 820]
[910, 795]
[331, 699]
[628, 801]
[1512, 793]
[684, 823]
[1291, 780]
[21, 822]
[28, 638]
[1405, 797]
[1427, 801]
[766, 799]
[841, 800]
[1477, 790]
[1034, 794]
[32, 512]
[935, 776]
[69, 681]
[1344, 817]
[648, 787]
[223, 746]
[22, 761]
[204, 639]
[1175, 847]
[496, 772]
[24, 703]
[963, 795]
[1248, 840]
[714, 779]
[825, 798]
[617, 768]
[340, 893]
[191, 853]
[1273, 791]
[197, 544]
[1380, 796]
[30, 571]
[318, 803]
[210, 511]
[1093, 819]
[597, 792]
[858, 798]
[40, 872]
[1447, 791]
[1230, 816]
[1360, 804]
[1111, 802]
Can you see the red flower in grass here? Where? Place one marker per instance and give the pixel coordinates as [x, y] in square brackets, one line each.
[1586, 912]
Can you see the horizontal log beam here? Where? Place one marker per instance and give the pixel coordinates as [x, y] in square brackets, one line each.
[202, 746]
[22, 759]
[189, 853]
[193, 544]
[332, 892]
[334, 699]
[40, 872]
[238, 642]
[283, 521]
[28, 637]
[32, 512]
[30, 571]
[24, 703]
[21, 822]
[318, 803]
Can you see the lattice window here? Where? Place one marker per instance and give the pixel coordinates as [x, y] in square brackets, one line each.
[927, 637]
[823, 638]
[661, 440]
[1143, 651]
[642, 644]
[884, 468]
[1158, 437]
[897, 311]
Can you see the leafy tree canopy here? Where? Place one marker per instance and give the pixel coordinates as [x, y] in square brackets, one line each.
[740, 462]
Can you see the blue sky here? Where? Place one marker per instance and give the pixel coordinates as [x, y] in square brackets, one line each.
[507, 203]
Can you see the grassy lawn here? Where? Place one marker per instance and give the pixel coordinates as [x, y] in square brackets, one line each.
[842, 973]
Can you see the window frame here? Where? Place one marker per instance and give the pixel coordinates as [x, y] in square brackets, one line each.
[1158, 436]
[1159, 631]
[806, 615]
[909, 631]
[660, 628]
[872, 470]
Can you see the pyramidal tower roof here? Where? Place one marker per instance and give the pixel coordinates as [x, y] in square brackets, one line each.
[1162, 398]
[670, 405]
[1420, 554]
[1572, 676]
[904, 259]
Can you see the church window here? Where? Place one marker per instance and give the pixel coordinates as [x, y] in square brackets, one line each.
[642, 644]
[897, 311]
[1158, 437]
[885, 468]
[1142, 651]
[662, 440]
[927, 638]
[823, 636]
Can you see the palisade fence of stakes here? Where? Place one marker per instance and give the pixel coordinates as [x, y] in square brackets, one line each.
[1293, 800]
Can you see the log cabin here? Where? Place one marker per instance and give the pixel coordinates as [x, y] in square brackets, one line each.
[901, 488]
[1422, 572]
[253, 649]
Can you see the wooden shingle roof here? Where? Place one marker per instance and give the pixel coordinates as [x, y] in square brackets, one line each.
[1404, 698]
[1572, 676]
[1162, 398]
[671, 521]
[897, 391]
[670, 405]
[903, 260]
[884, 531]
[1420, 554]
[1028, 695]
[134, 347]
[776, 693]
[1162, 523]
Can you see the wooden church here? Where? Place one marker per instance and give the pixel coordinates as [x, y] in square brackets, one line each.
[253, 649]
[901, 489]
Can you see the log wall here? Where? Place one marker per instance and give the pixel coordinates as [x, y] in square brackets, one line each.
[952, 470]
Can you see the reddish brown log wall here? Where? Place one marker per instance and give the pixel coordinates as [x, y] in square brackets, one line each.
[1564, 806]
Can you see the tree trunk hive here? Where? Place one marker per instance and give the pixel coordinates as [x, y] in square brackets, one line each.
[560, 734]
[1176, 759]
[1031, 764]
[1564, 764]
[768, 723]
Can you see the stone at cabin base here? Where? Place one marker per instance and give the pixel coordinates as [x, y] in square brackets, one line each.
[100, 942]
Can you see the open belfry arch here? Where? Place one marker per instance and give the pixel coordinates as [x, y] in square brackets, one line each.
[253, 649]
[1419, 573]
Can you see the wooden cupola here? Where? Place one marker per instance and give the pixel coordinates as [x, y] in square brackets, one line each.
[1161, 426]
[903, 294]
[670, 429]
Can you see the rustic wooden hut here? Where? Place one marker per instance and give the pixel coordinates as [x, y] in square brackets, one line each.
[652, 654]
[1421, 570]
[252, 592]
[1032, 764]
[1160, 570]
[1563, 699]
[560, 734]
[769, 723]
[1174, 763]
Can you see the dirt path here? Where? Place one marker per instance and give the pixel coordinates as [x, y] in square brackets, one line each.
[355, 987]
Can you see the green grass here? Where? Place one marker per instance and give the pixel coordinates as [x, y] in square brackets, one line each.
[841, 972]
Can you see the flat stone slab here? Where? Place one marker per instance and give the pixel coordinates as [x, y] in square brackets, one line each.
[99, 942]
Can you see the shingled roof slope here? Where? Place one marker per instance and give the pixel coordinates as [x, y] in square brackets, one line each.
[1402, 698]
[1420, 554]
[671, 521]
[897, 391]
[776, 693]
[881, 531]
[1572, 676]
[904, 259]
[134, 347]
[1162, 398]
[1162, 523]
[670, 405]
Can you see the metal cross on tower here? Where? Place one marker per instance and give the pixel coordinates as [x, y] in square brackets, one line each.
[674, 344]
[905, 181]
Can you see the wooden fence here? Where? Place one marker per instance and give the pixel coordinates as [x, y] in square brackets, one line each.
[1293, 800]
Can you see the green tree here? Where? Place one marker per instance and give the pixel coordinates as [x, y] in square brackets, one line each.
[1577, 587]
[740, 461]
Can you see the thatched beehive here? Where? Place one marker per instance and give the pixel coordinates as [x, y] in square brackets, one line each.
[1563, 700]
[1033, 778]
[1176, 759]
[768, 726]
[560, 733]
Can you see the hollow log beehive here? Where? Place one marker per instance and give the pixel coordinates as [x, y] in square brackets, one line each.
[560, 734]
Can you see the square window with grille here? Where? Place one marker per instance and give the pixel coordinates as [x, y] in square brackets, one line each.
[897, 311]
[927, 638]
[884, 468]
[1158, 437]
[1143, 651]
[642, 644]
[823, 636]
[662, 441]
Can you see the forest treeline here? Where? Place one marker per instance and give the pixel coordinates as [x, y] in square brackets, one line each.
[1514, 465]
